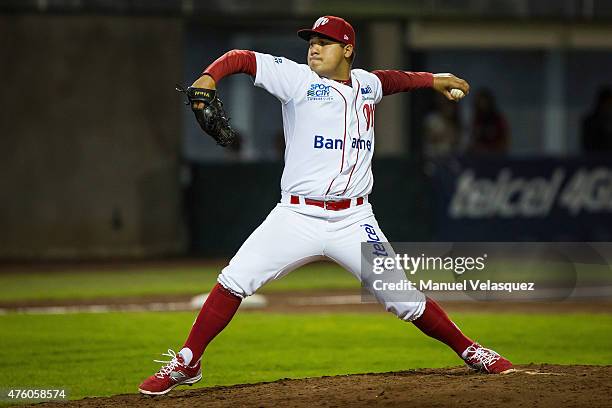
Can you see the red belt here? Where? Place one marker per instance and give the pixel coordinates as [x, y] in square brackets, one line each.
[328, 205]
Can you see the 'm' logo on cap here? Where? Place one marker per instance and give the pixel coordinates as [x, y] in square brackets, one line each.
[320, 21]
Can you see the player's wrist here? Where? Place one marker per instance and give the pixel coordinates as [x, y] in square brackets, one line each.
[428, 79]
[206, 81]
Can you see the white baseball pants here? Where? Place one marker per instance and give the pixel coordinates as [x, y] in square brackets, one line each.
[295, 234]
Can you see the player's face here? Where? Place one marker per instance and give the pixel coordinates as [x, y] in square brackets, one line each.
[325, 56]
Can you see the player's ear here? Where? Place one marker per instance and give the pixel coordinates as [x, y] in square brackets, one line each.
[348, 50]
[349, 53]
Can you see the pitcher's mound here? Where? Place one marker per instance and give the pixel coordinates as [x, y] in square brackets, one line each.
[541, 385]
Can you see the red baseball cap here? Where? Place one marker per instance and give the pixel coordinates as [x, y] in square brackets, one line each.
[335, 28]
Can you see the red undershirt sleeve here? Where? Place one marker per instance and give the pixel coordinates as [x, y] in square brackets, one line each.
[232, 62]
[400, 81]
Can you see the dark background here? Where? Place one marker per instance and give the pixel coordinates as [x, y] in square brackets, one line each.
[100, 158]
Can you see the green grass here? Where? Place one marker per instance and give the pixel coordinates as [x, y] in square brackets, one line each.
[84, 284]
[105, 354]
[188, 280]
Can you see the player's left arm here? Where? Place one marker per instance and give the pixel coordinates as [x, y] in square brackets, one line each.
[394, 81]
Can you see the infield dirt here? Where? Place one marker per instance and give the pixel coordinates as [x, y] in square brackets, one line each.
[322, 301]
[530, 386]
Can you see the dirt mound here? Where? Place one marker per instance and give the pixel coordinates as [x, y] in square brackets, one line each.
[529, 386]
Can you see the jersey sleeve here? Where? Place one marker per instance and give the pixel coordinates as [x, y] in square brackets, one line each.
[378, 89]
[232, 62]
[394, 81]
[280, 76]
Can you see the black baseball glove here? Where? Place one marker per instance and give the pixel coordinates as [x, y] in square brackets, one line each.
[211, 116]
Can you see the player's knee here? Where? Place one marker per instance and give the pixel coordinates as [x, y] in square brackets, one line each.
[234, 285]
[240, 281]
[407, 311]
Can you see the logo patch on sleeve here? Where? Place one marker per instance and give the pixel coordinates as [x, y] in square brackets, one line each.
[366, 90]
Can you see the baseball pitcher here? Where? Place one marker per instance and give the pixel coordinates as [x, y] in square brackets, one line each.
[328, 111]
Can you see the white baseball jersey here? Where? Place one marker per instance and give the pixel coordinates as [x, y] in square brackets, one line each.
[328, 126]
[329, 135]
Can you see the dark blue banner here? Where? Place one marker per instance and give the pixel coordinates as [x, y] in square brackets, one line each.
[537, 199]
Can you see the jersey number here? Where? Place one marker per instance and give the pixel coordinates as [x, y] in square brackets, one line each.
[368, 112]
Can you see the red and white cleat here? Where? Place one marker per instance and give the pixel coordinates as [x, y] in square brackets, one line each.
[172, 374]
[485, 360]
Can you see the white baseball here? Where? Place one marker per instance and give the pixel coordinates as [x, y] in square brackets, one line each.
[457, 93]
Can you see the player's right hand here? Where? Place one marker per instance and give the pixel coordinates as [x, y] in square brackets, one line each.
[444, 83]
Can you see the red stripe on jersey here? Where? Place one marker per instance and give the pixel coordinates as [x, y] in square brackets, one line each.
[359, 133]
[343, 141]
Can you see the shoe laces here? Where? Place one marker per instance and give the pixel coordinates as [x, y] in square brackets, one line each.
[169, 365]
[482, 355]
